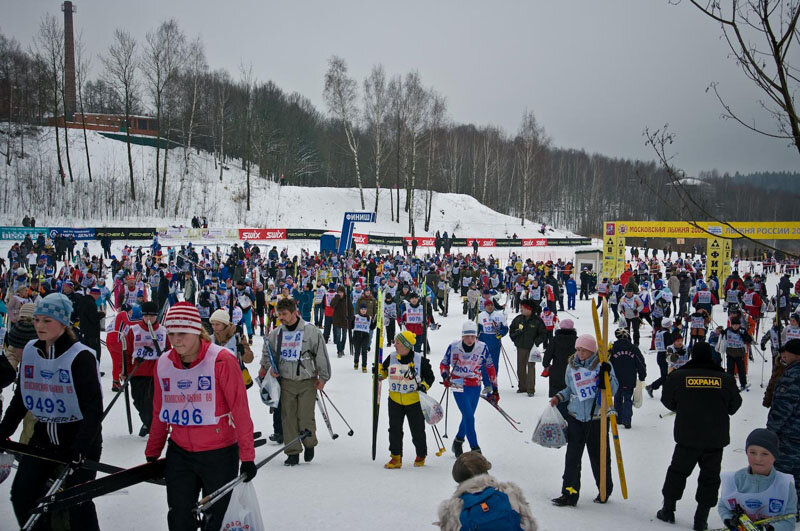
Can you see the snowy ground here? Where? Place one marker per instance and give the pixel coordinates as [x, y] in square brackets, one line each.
[344, 489]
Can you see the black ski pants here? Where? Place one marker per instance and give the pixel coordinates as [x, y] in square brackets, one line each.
[416, 423]
[31, 482]
[186, 473]
[580, 435]
[142, 392]
[683, 462]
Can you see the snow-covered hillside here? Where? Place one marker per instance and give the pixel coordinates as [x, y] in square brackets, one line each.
[31, 184]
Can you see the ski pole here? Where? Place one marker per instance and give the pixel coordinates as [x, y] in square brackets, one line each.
[665, 415]
[62, 477]
[122, 390]
[350, 433]
[446, 397]
[207, 501]
[439, 442]
[505, 415]
[324, 412]
[509, 364]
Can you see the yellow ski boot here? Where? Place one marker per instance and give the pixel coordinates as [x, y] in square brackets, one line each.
[395, 462]
[419, 461]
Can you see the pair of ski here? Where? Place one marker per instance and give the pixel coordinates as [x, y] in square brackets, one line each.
[118, 478]
[514, 423]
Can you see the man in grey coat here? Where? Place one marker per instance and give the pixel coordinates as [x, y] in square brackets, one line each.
[299, 351]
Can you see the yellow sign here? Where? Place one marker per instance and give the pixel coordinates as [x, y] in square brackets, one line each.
[620, 256]
[715, 258]
[609, 254]
[767, 230]
[727, 245]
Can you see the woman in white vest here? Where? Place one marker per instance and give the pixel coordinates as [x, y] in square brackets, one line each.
[59, 383]
[200, 401]
[226, 335]
[758, 490]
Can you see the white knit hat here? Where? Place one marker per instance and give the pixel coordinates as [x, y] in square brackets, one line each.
[184, 318]
[220, 316]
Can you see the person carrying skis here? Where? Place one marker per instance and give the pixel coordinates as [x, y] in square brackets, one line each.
[409, 373]
[461, 369]
[737, 341]
[207, 437]
[412, 318]
[491, 328]
[583, 379]
[759, 490]
[140, 350]
[304, 368]
[703, 397]
[662, 338]
[70, 430]
[362, 323]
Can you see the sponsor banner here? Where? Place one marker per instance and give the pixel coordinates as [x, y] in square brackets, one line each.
[422, 241]
[534, 242]
[125, 233]
[482, 242]
[78, 234]
[459, 242]
[385, 240]
[304, 234]
[561, 242]
[262, 234]
[361, 239]
[772, 230]
[19, 233]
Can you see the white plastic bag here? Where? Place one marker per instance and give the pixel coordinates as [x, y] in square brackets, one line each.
[551, 430]
[269, 389]
[431, 409]
[637, 394]
[243, 511]
[6, 460]
[535, 356]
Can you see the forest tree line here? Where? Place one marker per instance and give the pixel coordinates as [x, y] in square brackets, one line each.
[389, 131]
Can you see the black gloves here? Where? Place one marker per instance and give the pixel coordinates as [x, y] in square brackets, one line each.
[605, 368]
[249, 469]
[151, 459]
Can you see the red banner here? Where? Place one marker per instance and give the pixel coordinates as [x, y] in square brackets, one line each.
[422, 242]
[262, 234]
[534, 242]
[482, 242]
[361, 239]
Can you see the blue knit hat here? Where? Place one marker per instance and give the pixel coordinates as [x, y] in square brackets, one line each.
[56, 306]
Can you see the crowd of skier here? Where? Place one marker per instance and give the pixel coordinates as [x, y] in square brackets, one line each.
[179, 323]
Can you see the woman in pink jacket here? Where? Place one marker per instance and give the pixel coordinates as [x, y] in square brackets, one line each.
[200, 401]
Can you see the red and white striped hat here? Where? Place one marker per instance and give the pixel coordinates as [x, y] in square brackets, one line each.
[184, 318]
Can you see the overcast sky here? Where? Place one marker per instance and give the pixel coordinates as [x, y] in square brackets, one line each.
[596, 73]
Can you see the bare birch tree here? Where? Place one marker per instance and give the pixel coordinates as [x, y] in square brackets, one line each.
[416, 120]
[161, 62]
[49, 45]
[437, 115]
[121, 67]
[196, 68]
[531, 142]
[760, 35]
[376, 105]
[341, 95]
[82, 64]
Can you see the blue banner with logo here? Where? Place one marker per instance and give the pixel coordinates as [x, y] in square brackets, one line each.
[19, 233]
[78, 234]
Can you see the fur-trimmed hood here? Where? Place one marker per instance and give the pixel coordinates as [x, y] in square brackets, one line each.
[450, 510]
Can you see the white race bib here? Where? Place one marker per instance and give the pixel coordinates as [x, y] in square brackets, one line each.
[292, 345]
[586, 383]
[188, 396]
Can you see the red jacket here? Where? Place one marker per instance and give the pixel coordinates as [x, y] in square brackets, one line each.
[231, 397]
[121, 324]
[148, 367]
